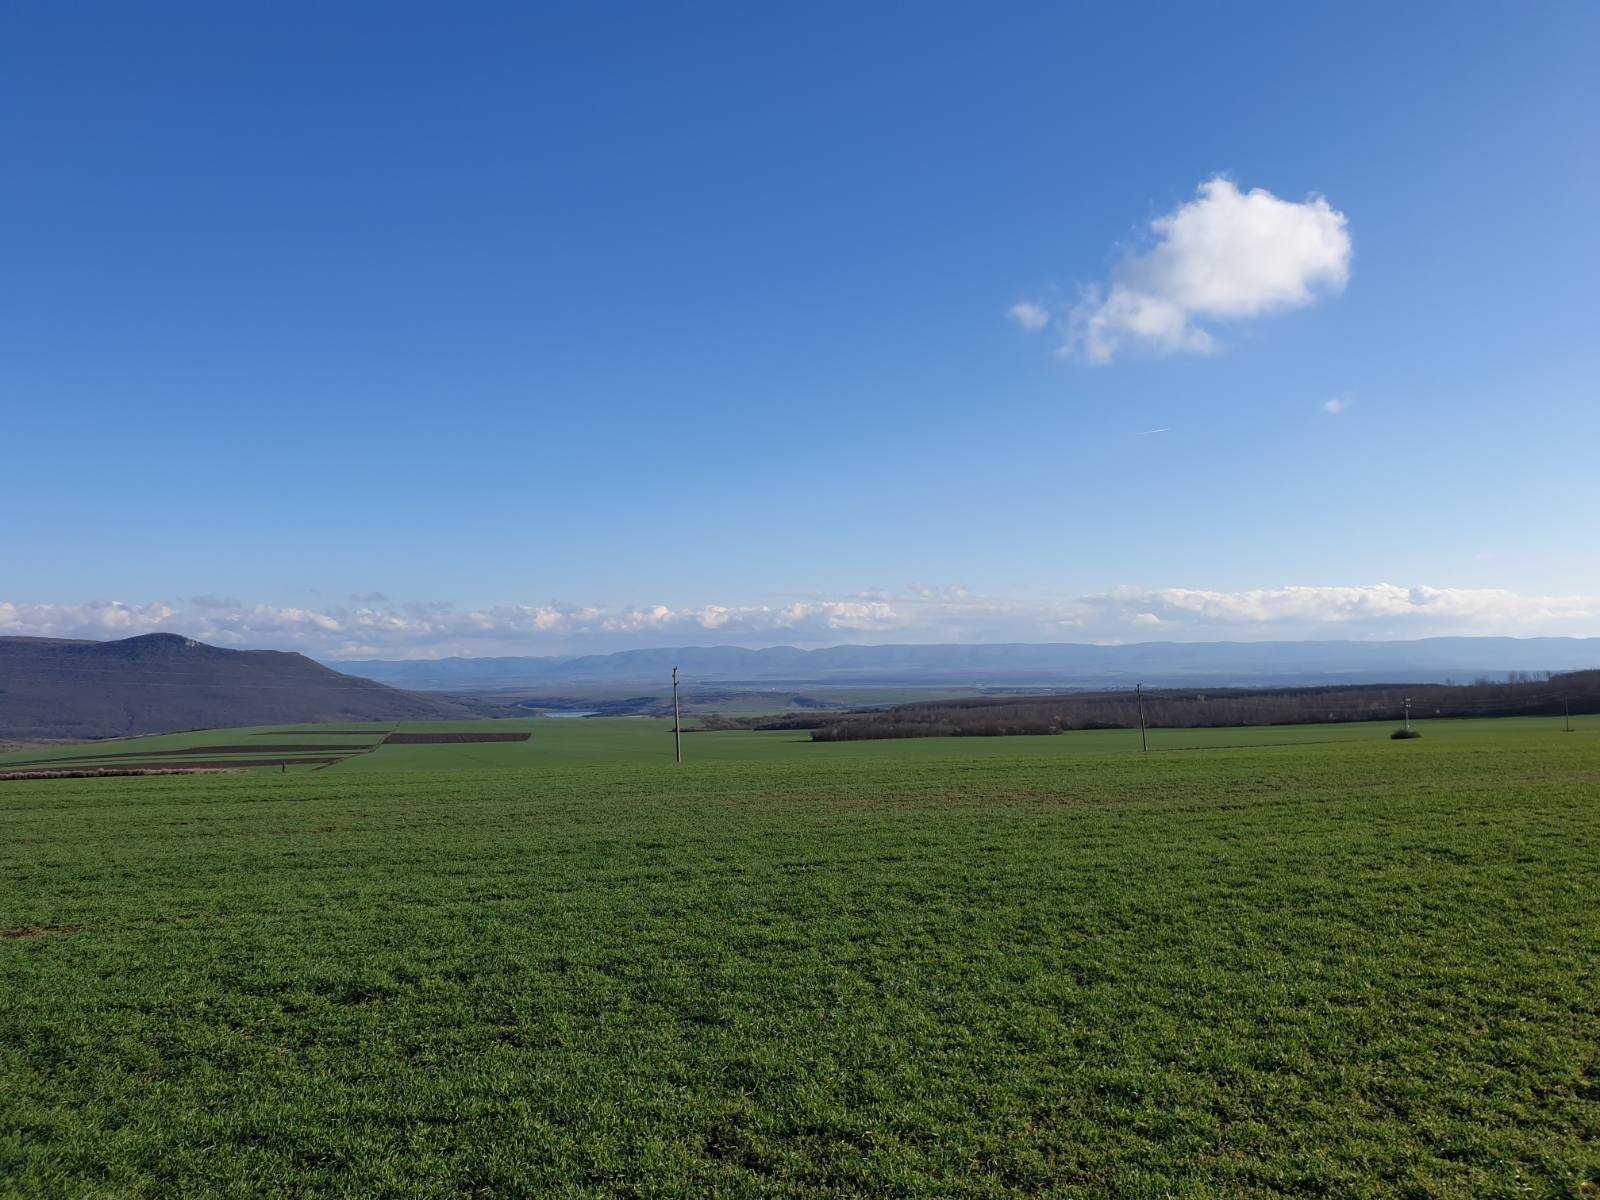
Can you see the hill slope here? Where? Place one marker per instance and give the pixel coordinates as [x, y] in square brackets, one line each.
[161, 682]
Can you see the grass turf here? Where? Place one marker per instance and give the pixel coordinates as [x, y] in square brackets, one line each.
[979, 967]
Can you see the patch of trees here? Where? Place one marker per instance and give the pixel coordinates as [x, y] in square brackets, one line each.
[1519, 695]
[798, 720]
[713, 723]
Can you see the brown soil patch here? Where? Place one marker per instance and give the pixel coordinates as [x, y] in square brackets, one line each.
[38, 931]
[188, 751]
[106, 772]
[309, 760]
[180, 768]
[429, 739]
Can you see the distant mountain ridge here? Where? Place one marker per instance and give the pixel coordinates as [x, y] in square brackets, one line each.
[161, 682]
[1057, 663]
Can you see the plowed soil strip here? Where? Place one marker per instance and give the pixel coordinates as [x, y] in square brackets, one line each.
[275, 748]
[110, 772]
[173, 768]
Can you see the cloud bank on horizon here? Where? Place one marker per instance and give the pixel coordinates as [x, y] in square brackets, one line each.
[372, 626]
[1224, 257]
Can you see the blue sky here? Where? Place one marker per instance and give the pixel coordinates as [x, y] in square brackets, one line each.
[413, 330]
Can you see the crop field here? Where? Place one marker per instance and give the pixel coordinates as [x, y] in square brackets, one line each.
[1253, 962]
[274, 747]
[616, 740]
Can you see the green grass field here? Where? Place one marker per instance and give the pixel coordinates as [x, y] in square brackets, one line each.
[602, 741]
[1291, 961]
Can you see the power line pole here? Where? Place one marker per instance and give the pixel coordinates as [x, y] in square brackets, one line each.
[677, 721]
[1144, 740]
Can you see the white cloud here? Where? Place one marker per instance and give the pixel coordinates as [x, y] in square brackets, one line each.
[1375, 608]
[1225, 256]
[1028, 315]
[1335, 406]
[918, 614]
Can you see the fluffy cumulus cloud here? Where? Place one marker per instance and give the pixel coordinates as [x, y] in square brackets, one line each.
[1224, 257]
[913, 614]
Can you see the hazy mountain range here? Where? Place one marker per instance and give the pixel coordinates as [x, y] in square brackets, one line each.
[54, 688]
[1065, 664]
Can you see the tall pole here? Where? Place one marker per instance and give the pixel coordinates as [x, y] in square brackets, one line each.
[1566, 707]
[677, 722]
[1408, 713]
[1144, 740]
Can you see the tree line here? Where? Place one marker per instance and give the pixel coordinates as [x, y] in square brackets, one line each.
[1521, 693]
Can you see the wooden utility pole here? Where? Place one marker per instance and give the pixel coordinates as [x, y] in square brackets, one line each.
[677, 722]
[1144, 740]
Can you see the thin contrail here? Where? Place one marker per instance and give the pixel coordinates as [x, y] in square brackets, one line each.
[1148, 432]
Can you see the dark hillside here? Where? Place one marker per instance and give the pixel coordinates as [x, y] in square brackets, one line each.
[161, 682]
[1552, 695]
